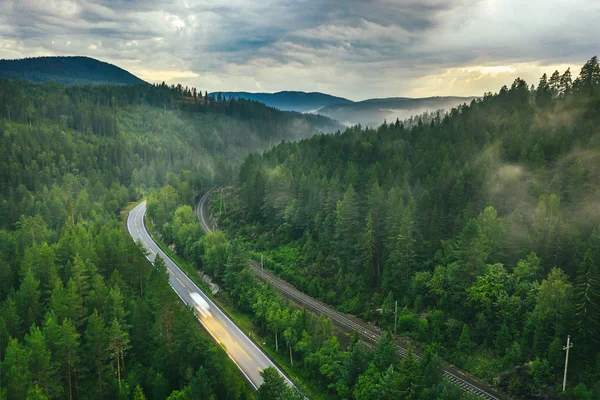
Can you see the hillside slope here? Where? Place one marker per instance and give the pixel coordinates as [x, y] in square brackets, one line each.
[373, 112]
[483, 225]
[68, 70]
[290, 100]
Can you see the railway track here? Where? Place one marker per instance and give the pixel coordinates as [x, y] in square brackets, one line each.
[369, 333]
[366, 332]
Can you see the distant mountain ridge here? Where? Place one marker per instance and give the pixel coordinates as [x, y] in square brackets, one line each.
[290, 100]
[68, 70]
[375, 111]
[367, 112]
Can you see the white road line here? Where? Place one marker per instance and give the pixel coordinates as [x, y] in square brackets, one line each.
[136, 215]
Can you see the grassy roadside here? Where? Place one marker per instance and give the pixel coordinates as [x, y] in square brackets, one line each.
[244, 321]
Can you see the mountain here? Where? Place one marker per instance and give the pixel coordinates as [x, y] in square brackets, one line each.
[290, 100]
[68, 70]
[373, 112]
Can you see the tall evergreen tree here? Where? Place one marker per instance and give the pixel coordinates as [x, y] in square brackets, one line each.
[367, 252]
[587, 301]
[347, 228]
[97, 350]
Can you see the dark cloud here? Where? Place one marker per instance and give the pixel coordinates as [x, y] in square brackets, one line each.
[357, 48]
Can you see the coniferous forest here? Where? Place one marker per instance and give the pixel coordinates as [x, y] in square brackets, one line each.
[483, 223]
[83, 314]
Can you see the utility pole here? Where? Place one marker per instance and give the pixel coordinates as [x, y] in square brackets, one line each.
[395, 316]
[567, 347]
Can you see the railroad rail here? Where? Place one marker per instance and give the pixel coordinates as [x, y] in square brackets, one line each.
[369, 333]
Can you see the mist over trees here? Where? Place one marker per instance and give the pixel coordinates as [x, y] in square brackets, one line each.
[482, 223]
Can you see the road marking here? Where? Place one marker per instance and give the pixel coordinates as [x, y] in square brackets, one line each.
[259, 369]
[180, 282]
[189, 291]
[223, 329]
[134, 216]
[170, 271]
[240, 347]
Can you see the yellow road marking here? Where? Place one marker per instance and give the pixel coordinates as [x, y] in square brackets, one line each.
[189, 291]
[170, 271]
[220, 326]
[259, 369]
[180, 282]
[240, 347]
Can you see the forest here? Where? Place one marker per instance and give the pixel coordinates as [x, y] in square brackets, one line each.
[482, 223]
[83, 314]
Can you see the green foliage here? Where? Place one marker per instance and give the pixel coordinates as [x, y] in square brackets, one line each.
[79, 304]
[464, 342]
[479, 218]
[274, 386]
[540, 373]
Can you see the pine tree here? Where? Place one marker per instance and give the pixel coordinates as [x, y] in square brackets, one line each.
[402, 261]
[96, 349]
[502, 341]
[411, 378]
[470, 252]
[589, 77]
[80, 274]
[587, 303]
[368, 386]
[543, 94]
[118, 343]
[376, 207]
[29, 299]
[367, 254]
[566, 83]
[347, 228]
[66, 303]
[554, 85]
[115, 308]
[464, 342]
[15, 370]
[139, 393]
[13, 322]
[385, 353]
[40, 363]
[273, 386]
[68, 347]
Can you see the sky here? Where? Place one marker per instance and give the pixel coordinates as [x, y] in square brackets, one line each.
[352, 48]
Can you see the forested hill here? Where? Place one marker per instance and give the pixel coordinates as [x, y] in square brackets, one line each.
[290, 100]
[68, 70]
[83, 315]
[373, 112]
[483, 224]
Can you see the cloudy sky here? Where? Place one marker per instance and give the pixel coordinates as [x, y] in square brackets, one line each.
[353, 48]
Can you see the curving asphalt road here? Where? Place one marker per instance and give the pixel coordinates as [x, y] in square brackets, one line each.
[240, 348]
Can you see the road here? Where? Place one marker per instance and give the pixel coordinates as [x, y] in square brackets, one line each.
[241, 349]
[368, 332]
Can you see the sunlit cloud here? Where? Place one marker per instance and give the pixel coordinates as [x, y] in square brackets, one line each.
[362, 49]
[478, 79]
